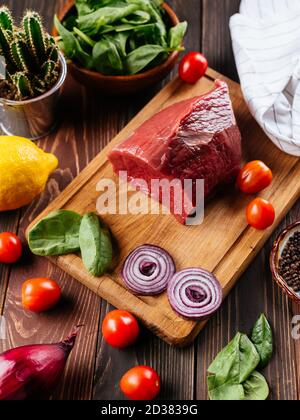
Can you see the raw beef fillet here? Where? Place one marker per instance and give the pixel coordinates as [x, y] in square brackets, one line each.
[194, 139]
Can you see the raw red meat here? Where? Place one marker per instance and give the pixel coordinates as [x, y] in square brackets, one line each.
[194, 139]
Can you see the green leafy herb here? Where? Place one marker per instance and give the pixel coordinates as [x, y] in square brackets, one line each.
[137, 18]
[106, 57]
[142, 57]
[56, 234]
[91, 35]
[232, 375]
[256, 388]
[176, 34]
[262, 337]
[232, 366]
[72, 47]
[91, 23]
[95, 244]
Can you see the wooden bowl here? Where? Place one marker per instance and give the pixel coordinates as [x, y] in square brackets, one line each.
[276, 253]
[121, 85]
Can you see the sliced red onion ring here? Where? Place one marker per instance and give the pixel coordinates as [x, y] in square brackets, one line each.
[148, 270]
[195, 293]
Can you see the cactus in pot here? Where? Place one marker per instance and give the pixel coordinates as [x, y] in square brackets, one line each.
[31, 57]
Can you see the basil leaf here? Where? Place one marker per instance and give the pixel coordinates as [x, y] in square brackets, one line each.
[56, 234]
[95, 244]
[142, 57]
[176, 35]
[262, 338]
[106, 57]
[256, 388]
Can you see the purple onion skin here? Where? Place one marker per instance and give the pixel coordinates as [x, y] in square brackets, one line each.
[33, 372]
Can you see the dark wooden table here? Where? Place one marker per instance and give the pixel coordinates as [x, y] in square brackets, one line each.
[95, 369]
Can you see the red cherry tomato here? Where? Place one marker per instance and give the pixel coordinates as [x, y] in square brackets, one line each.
[140, 383]
[40, 295]
[120, 329]
[260, 214]
[254, 177]
[10, 248]
[192, 67]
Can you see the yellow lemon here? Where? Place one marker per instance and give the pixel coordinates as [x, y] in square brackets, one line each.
[24, 171]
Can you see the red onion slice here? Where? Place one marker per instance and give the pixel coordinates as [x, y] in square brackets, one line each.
[195, 293]
[148, 270]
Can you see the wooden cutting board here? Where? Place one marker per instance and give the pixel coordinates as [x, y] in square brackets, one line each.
[223, 244]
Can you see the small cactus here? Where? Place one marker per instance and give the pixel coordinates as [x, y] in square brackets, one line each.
[30, 53]
[23, 85]
[6, 20]
[35, 36]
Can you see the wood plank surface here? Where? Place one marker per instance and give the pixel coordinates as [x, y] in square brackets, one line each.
[211, 245]
[255, 291]
[183, 371]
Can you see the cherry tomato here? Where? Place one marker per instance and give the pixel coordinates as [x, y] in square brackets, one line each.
[10, 248]
[41, 294]
[120, 329]
[254, 177]
[193, 66]
[140, 383]
[260, 214]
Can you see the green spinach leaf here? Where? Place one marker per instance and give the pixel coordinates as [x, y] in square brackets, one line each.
[226, 392]
[142, 57]
[85, 7]
[95, 244]
[156, 17]
[232, 366]
[225, 368]
[90, 36]
[262, 337]
[176, 35]
[249, 358]
[137, 18]
[120, 40]
[235, 362]
[72, 47]
[106, 57]
[69, 39]
[56, 234]
[256, 388]
[90, 24]
[158, 3]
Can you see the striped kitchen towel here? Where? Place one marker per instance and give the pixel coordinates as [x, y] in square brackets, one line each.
[266, 43]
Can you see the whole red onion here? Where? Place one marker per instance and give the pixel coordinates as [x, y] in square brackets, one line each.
[33, 372]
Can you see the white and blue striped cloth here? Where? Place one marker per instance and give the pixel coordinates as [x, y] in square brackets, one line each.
[266, 43]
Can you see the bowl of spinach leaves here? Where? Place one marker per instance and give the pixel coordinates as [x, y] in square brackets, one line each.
[119, 46]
